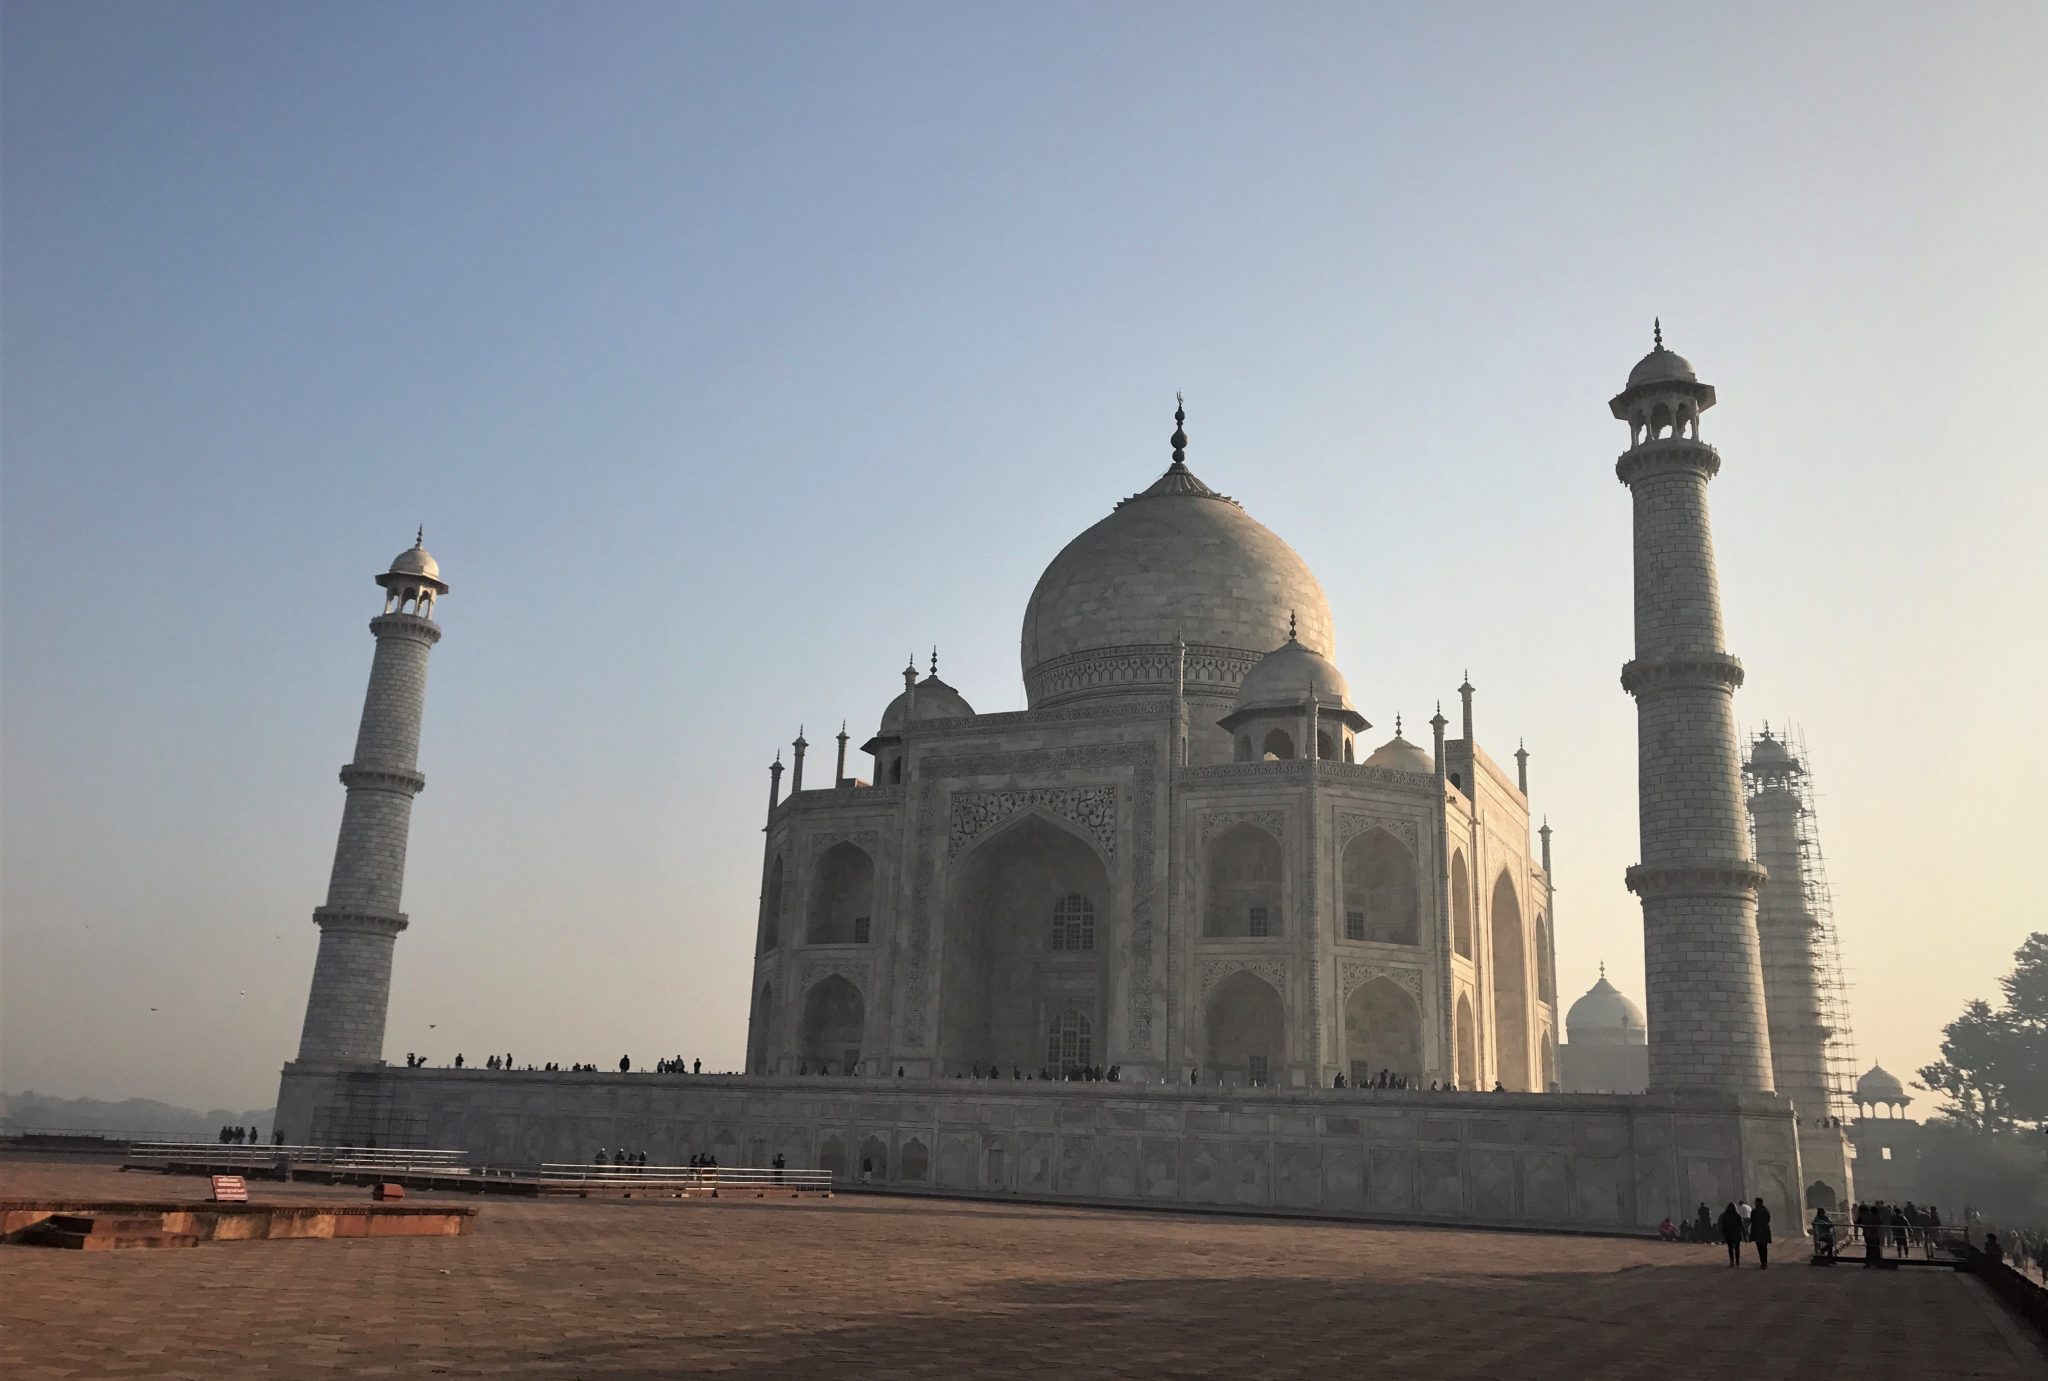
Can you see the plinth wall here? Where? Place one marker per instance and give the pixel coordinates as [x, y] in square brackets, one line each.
[1536, 1160]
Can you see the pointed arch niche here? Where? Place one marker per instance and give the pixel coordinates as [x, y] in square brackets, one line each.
[1241, 892]
[1510, 989]
[842, 903]
[1382, 1031]
[1244, 1033]
[1013, 952]
[829, 1037]
[1381, 900]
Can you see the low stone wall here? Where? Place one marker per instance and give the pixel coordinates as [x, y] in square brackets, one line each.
[1589, 1162]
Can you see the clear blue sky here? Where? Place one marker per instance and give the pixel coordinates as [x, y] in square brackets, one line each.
[730, 354]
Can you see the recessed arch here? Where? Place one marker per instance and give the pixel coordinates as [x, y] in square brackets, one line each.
[1382, 1031]
[1510, 972]
[1244, 1030]
[1380, 892]
[761, 1029]
[1241, 875]
[1549, 1062]
[1468, 1044]
[1461, 905]
[1001, 977]
[829, 1038]
[842, 902]
[1546, 987]
[1279, 744]
[771, 907]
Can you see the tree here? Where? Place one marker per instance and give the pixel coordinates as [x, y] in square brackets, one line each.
[1993, 1068]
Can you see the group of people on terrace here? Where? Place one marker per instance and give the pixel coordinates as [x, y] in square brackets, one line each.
[669, 1065]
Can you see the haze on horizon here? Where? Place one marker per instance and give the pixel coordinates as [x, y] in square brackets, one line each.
[731, 355]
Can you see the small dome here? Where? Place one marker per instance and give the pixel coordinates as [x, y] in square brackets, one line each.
[1288, 675]
[935, 700]
[1662, 366]
[416, 560]
[1605, 1016]
[1397, 754]
[1767, 754]
[1880, 1086]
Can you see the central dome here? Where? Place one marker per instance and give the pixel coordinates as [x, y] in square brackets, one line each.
[1178, 561]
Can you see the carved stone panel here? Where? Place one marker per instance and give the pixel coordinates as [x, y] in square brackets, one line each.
[1350, 825]
[1274, 971]
[1093, 808]
[1357, 973]
[1274, 822]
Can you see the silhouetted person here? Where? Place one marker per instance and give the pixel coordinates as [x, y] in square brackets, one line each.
[778, 1164]
[696, 1066]
[1731, 1234]
[625, 1064]
[458, 1059]
[1823, 1235]
[1703, 1225]
[1760, 1234]
[1993, 1253]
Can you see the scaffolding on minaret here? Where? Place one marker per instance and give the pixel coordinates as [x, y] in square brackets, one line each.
[1831, 974]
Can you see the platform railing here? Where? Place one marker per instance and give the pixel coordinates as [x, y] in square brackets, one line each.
[388, 1160]
[685, 1177]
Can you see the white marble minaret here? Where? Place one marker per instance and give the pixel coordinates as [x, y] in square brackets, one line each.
[360, 922]
[1697, 880]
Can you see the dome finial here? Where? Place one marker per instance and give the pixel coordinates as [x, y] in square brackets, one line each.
[1603, 968]
[1397, 724]
[1290, 625]
[1180, 436]
[1657, 331]
[419, 540]
[935, 659]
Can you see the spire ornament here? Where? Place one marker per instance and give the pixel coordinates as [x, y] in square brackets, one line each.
[1180, 436]
[1657, 331]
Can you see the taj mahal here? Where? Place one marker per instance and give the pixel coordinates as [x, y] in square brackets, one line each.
[1189, 858]
[1299, 961]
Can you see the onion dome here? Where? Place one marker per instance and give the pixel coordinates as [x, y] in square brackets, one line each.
[1880, 1087]
[1397, 754]
[934, 700]
[1661, 372]
[1177, 561]
[1606, 1016]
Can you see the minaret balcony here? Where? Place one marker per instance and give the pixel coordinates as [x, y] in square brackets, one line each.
[1667, 455]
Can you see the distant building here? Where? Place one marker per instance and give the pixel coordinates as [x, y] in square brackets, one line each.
[1607, 1043]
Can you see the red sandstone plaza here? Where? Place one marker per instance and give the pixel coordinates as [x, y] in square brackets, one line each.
[861, 1286]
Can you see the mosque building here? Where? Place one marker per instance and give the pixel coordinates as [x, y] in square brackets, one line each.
[1607, 1043]
[1188, 858]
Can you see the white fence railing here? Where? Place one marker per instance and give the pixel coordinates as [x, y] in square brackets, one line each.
[388, 1160]
[688, 1177]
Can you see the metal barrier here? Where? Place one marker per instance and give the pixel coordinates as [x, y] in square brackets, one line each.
[689, 1178]
[389, 1160]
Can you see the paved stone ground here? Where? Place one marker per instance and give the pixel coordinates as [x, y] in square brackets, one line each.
[888, 1288]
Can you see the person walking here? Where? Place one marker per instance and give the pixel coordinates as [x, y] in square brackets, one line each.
[1731, 1234]
[1760, 1234]
[1742, 1207]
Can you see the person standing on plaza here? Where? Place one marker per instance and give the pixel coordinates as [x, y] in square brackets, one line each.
[1731, 1234]
[1760, 1234]
[1742, 1207]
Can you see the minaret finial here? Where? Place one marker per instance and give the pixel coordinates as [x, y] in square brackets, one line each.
[420, 538]
[1657, 331]
[1290, 625]
[1180, 436]
[1603, 968]
[1397, 724]
[935, 659]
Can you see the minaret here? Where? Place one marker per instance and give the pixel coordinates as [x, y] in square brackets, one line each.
[1522, 767]
[1787, 930]
[796, 771]
[1697, 881]
[839, 770]
[361, 920]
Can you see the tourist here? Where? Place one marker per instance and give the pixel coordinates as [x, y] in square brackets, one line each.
[1992, 1251]
[696, 1066]
[1703, 1225]
[1498, 1087]
[1667, 1229]
[458, 1059]
[1760, 1234]
[899, 1071]
[867, 1169]
[1898, 1226]
[1340, 1080]
[1823, 1229]
[778, 1163]
[625, 1064]
[1731, 1234]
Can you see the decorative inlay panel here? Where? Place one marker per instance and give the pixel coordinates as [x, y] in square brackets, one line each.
[1093, 808]
[1357, 973]
[1349, 825]
[1274, 971]
[1274, 822]
[854, 971]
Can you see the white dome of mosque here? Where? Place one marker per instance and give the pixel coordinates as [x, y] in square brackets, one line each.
[1605, 1016]
[1880, 1086]
[1769, 754]
[1288, 675]
[1177, 561]
[1397, 754]
[935, 700]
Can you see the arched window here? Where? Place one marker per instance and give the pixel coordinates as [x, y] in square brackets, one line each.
[1071, 1041]
[1279, 744]
[771, 907]
[1073, 922]
[1243, 877]
[1461, 906]
[1325, 750]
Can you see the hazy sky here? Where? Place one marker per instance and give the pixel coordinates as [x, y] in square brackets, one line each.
[731, 354]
